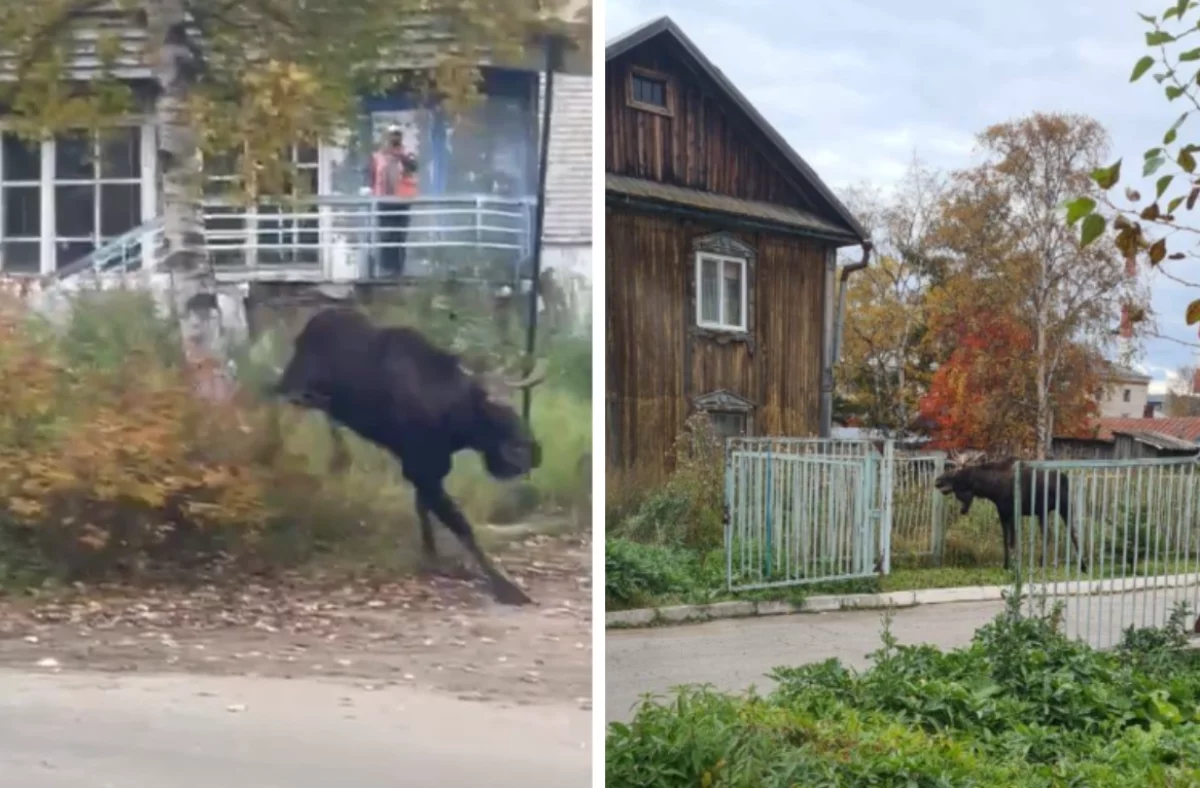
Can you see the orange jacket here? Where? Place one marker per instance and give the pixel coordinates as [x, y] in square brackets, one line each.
[406, 186]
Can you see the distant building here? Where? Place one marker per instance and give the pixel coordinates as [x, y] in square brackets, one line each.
[1125, 393]
[1132, 438]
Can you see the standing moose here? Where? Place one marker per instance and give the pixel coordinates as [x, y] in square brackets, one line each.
[1042, 494]
[394, 388]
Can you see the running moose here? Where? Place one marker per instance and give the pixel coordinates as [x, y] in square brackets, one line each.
[392, 387]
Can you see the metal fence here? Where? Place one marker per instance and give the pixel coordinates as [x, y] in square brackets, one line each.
[802, 510]
[1121, 542]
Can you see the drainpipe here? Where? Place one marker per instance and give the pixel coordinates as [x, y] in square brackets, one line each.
[834, 348]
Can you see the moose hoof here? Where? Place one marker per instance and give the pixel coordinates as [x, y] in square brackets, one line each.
[432, 566]
[507, 593]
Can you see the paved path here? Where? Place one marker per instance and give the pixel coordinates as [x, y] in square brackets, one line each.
[128, 731]
[733, 654]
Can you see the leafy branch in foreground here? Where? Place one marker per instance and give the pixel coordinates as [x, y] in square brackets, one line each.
[1149, 226]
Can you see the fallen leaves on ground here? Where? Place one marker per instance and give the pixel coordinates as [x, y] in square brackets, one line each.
[436, 632]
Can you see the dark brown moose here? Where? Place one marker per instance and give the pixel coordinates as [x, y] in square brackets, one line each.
[970, 476]
[394, 388]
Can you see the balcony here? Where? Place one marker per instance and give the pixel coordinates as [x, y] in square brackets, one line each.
[339, 239]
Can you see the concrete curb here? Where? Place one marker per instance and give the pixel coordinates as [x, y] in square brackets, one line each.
[928, 596]
[815, 604]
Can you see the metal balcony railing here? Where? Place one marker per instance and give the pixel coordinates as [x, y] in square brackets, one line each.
[332, 238]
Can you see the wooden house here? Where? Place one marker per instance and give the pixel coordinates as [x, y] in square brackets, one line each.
[720, 257]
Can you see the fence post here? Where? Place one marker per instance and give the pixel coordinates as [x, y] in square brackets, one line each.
[727, 514]
[885, 516]
[1021, 580]
[770, 525]
[937, 537]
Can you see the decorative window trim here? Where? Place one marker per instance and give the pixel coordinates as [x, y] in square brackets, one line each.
[726, 248]
[668, 91]
[726, 403]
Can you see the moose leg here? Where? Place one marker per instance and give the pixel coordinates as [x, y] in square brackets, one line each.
[339, 460]
[1008, 534]
[431, 562]
[433, 497]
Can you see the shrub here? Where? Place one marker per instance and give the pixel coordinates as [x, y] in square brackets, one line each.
[1022, 706]
[109, 463]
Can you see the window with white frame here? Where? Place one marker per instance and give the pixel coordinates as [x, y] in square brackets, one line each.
[289, 233]
[97, 190]
[721, 291]
[286, 233]
[20, 205]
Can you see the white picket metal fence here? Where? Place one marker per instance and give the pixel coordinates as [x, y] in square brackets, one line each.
[1128, 553]
[802, 510]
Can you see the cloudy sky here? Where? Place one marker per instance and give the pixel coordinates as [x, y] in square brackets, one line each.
[858, 86]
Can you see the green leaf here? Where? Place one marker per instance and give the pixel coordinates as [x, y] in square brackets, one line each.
[1152, 166]
[1158, 38]
[1193, 313]
[1093, 228]
[1151, 153]
[1173, 92]
[1161, 186]
[1141, 67]
[1147, 18]
[1079, 208]
[1174, 204]
[1186, 160]
[1150, 212]
[1190, 55]
[1107, 177]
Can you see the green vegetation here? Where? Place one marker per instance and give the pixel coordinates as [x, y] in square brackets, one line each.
[1021, 707]
[111, 467]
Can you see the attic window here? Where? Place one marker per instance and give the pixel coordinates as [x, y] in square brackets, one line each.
[650, 91]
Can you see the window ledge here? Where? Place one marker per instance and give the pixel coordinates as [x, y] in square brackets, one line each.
[722, 335]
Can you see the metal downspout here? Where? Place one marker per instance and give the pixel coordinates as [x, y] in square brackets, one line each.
[834, 352]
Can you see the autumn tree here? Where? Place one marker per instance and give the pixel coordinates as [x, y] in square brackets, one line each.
[245, 79]
[884, 369]
[1012, 259]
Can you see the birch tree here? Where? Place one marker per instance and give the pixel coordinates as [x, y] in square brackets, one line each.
[245, 79]
[1005, 223]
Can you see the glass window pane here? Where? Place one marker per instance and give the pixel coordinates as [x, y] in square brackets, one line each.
[22, 212]
[709, 289]
[22, 159]
[217, 164]
[733, 294]
[120, 208]
[22, 257]
[306, 154]
[74, 158]
[121, 153]
[74, 211]
[72, 251]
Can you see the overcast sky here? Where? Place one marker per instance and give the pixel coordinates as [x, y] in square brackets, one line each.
[858, 86]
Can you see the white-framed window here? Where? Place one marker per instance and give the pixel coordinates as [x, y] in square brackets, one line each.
[293, 239]
[20, 205]
[721, 291]
[285, 234]
[97, 189]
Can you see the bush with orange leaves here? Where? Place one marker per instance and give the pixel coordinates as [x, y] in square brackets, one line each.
[111, 465]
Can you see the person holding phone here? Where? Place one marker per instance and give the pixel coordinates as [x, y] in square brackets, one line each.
[393, 174]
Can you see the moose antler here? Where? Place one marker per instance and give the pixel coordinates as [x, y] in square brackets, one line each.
[961, 459]
[497, 382]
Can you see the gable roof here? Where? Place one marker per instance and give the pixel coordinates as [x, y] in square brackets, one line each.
[664, 26]
[1116, 372]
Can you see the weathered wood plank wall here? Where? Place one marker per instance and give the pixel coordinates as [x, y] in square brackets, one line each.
[702, 146]
[656, 365]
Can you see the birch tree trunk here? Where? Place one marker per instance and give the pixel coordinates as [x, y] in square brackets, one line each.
[193, 284]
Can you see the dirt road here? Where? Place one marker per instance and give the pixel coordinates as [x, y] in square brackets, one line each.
[331, 678]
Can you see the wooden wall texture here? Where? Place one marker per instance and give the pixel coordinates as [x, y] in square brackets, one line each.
[705, 145]
[657, 362]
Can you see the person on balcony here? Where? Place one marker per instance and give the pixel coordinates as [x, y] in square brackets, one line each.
[393, 174]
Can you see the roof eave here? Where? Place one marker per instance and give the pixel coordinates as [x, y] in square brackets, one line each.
[838, 241]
